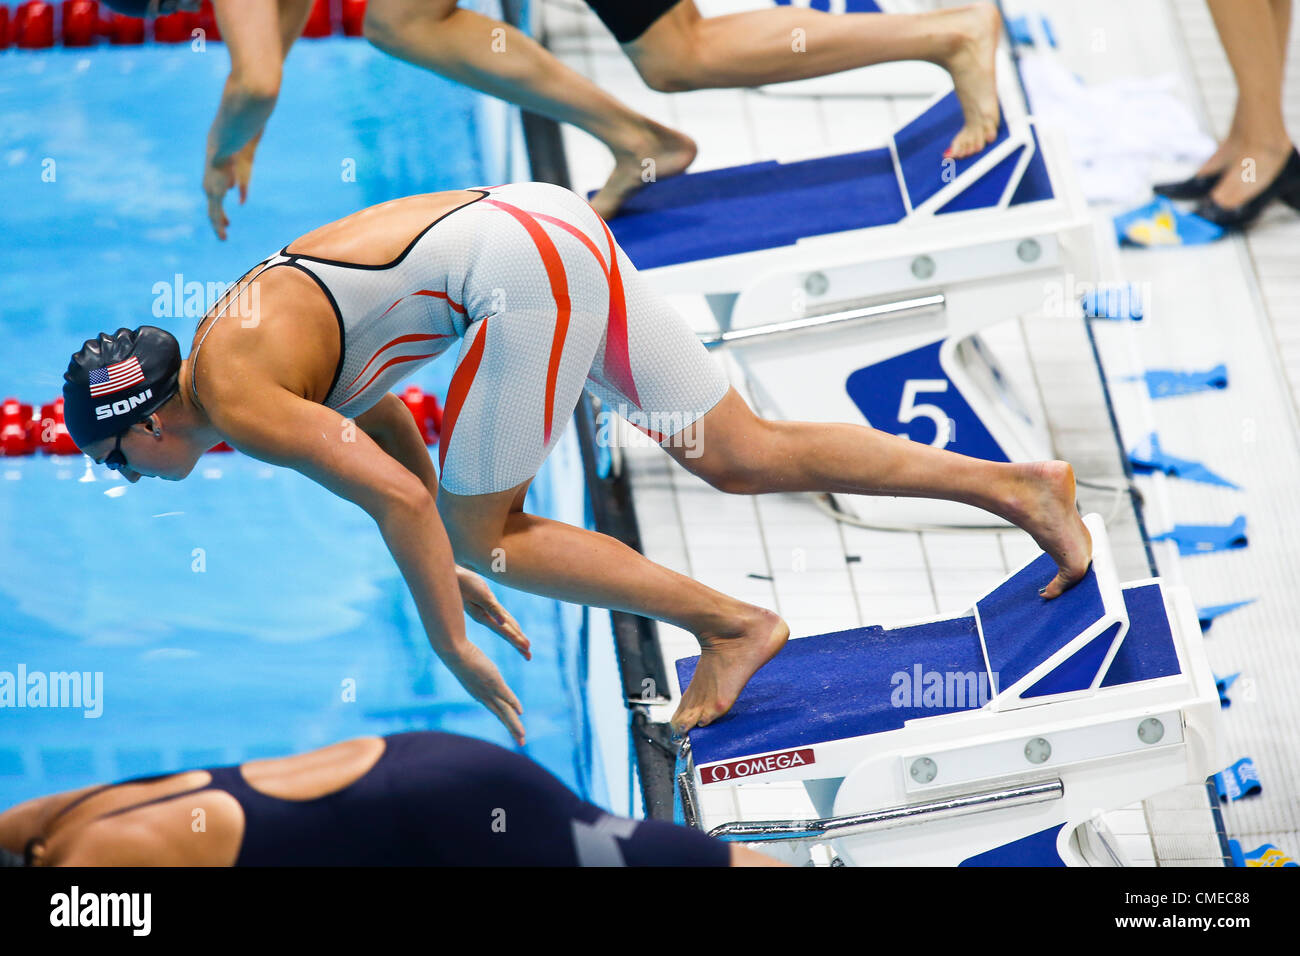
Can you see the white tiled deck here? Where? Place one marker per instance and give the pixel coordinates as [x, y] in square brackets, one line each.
[1237, 301]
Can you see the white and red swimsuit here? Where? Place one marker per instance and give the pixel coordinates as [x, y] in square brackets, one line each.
[543, 301]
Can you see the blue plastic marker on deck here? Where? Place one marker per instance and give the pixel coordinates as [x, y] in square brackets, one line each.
[1165, 383]
[1266, 854]
[1022, 31]
[1222, 684]
[1161, 223]
[1205, 538]
[1206, 615]
[1238, 781]
[1150, 457]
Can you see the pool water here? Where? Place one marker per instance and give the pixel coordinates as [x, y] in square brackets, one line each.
[244, 612]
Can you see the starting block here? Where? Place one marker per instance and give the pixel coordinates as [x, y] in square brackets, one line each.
[861, 287]
[994, 737]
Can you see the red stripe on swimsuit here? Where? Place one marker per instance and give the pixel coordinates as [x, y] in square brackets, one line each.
[429, 292]
[618, 360]
[414, 337]
[559, 291]
[461, 381]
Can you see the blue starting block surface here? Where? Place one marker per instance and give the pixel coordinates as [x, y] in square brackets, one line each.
[839, 685]
[1022, 629]
[767, 205]
[871, 680]
[757, 206]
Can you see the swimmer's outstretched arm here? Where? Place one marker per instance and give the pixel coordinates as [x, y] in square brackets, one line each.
[258, 34]
[390, 425]
[275, 425]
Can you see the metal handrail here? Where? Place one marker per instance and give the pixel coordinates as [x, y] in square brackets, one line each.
[849, 317]
[829, 828]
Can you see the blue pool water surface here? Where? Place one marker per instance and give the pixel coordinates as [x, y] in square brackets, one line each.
[244, 612]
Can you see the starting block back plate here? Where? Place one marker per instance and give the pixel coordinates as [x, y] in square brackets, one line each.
[1021, 629]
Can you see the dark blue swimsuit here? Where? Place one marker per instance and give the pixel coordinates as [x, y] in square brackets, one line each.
[435, 799]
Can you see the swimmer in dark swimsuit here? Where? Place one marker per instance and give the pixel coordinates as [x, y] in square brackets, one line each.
[295, 364]
[671, 45]
[414, 799]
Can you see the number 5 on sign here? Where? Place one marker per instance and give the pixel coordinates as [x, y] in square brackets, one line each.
[909, 393]
[909, 410]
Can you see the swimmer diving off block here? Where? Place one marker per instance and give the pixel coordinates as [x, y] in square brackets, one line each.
[293, 366]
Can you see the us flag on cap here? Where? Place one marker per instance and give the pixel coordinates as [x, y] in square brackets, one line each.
[114, 378]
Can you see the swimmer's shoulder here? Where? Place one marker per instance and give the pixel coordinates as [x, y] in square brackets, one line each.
[159, 834]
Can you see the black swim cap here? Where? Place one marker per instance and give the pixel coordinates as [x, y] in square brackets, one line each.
[117, 380]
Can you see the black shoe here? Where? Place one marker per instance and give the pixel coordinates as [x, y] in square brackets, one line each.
[1195, 187]
[1285, 187]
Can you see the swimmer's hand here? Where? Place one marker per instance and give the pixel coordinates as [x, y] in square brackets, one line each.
[243, 168]
[482, 605]
[480, 677]
[218, 179]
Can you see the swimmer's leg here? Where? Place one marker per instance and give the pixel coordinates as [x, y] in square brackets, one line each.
[497, 59]
[685, 51]
[738, 452]
[493, 535]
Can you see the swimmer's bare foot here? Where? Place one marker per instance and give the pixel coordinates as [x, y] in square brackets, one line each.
[972, 65]
[727, 662]
[1041, 501]
[657, 153]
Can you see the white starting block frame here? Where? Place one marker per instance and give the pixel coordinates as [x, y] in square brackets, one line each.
[893, 313]
[1017, 780]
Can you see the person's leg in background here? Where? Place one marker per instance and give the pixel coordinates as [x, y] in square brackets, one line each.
[1254, 34]
[684, 51]
[497, 59]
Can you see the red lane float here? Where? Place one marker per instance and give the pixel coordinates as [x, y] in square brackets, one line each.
[34, 25]
[208, 22]
[80, 22]
[320, 23]
[24, 433]
[175, 27]
[17, 437]
[122, 30]
[426, 411]
[354, 17]
[53, 436]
